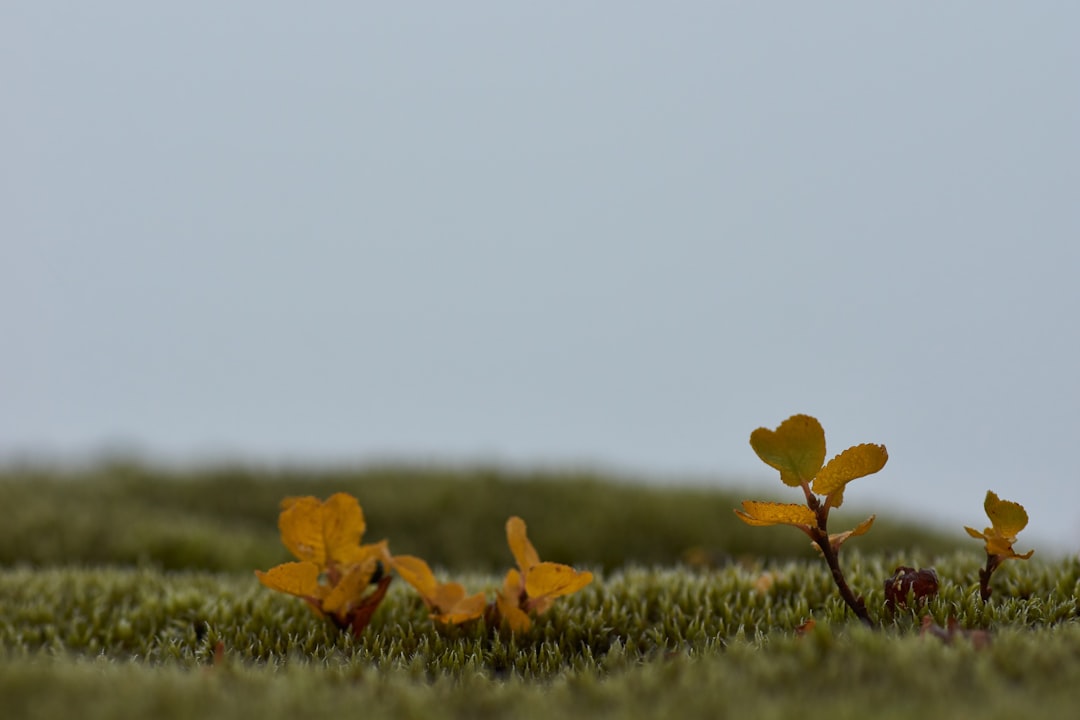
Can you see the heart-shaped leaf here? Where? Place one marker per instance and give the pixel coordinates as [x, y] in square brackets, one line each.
[796, 448]
[1008, 518]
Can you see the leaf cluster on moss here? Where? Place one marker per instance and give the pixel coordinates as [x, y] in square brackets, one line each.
[641, 643]
[179, 617]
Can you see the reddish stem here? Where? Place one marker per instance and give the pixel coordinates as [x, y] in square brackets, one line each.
[992, 563]
[820, 536]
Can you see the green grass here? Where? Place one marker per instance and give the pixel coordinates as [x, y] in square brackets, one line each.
[118, 630]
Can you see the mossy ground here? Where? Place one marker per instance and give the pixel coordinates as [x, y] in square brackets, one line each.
[86, 633]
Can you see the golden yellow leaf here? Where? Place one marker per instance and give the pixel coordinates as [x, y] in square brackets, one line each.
[516, 618]
[1008, 518]
[853, 463]
[838, 539]
[447, 595]
[350, 589]
[508, 602]
[324, 533]
[1004, 547]
[416, 572]
[796, 448]
[447, 601]
[343, 526]
[463, 610]
[760, 514]
[295, 578]
[513, 587]
[524, 553]
[533, 585]
[300, 523]
[552, 580]
[975, 533]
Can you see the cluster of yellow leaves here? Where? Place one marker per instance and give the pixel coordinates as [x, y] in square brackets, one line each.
[530, 588]
[797, 449]
[1007, 519]
[446, 601]
[533, 585]
[334, 571]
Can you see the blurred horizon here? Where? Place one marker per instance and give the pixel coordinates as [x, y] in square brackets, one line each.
[764, 485]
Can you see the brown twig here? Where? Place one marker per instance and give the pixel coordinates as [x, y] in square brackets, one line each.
[820, 536]
[992, 564]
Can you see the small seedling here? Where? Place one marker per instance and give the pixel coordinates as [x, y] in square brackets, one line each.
[334, 570]
[447, 602]
[797, 449]
[532, 586]
[1006, 519]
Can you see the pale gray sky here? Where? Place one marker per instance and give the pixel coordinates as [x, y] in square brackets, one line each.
[615, 233]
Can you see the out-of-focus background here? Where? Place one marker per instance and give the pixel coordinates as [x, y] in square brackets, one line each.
[611, 235]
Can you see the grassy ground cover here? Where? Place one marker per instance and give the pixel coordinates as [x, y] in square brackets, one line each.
[172, 623]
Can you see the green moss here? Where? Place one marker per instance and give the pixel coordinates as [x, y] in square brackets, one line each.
[102, 615]
[638, 643]
[158, 616]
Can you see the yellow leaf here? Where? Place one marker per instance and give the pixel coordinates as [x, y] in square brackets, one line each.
[512, 615]
[772, 513]
[516, 618]
[446, 596]
[997, 545]
[838, 539]
[343, 526]
[513, 586]
[1008, 518]
[508, 602]
[300, 523]
[853, 463]
[350, 589]
[295, 578]
[324, 533]
[446, 600]
[533, 585]
[416, 572]
[975, 533]
[524, 552]
[463, 610]
[554, 580]
[796, 448]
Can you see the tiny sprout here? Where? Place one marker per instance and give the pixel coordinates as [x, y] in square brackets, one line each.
[797, 449]
[532, 586]
[447, 602]
[1007, 520]
[334, 570]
